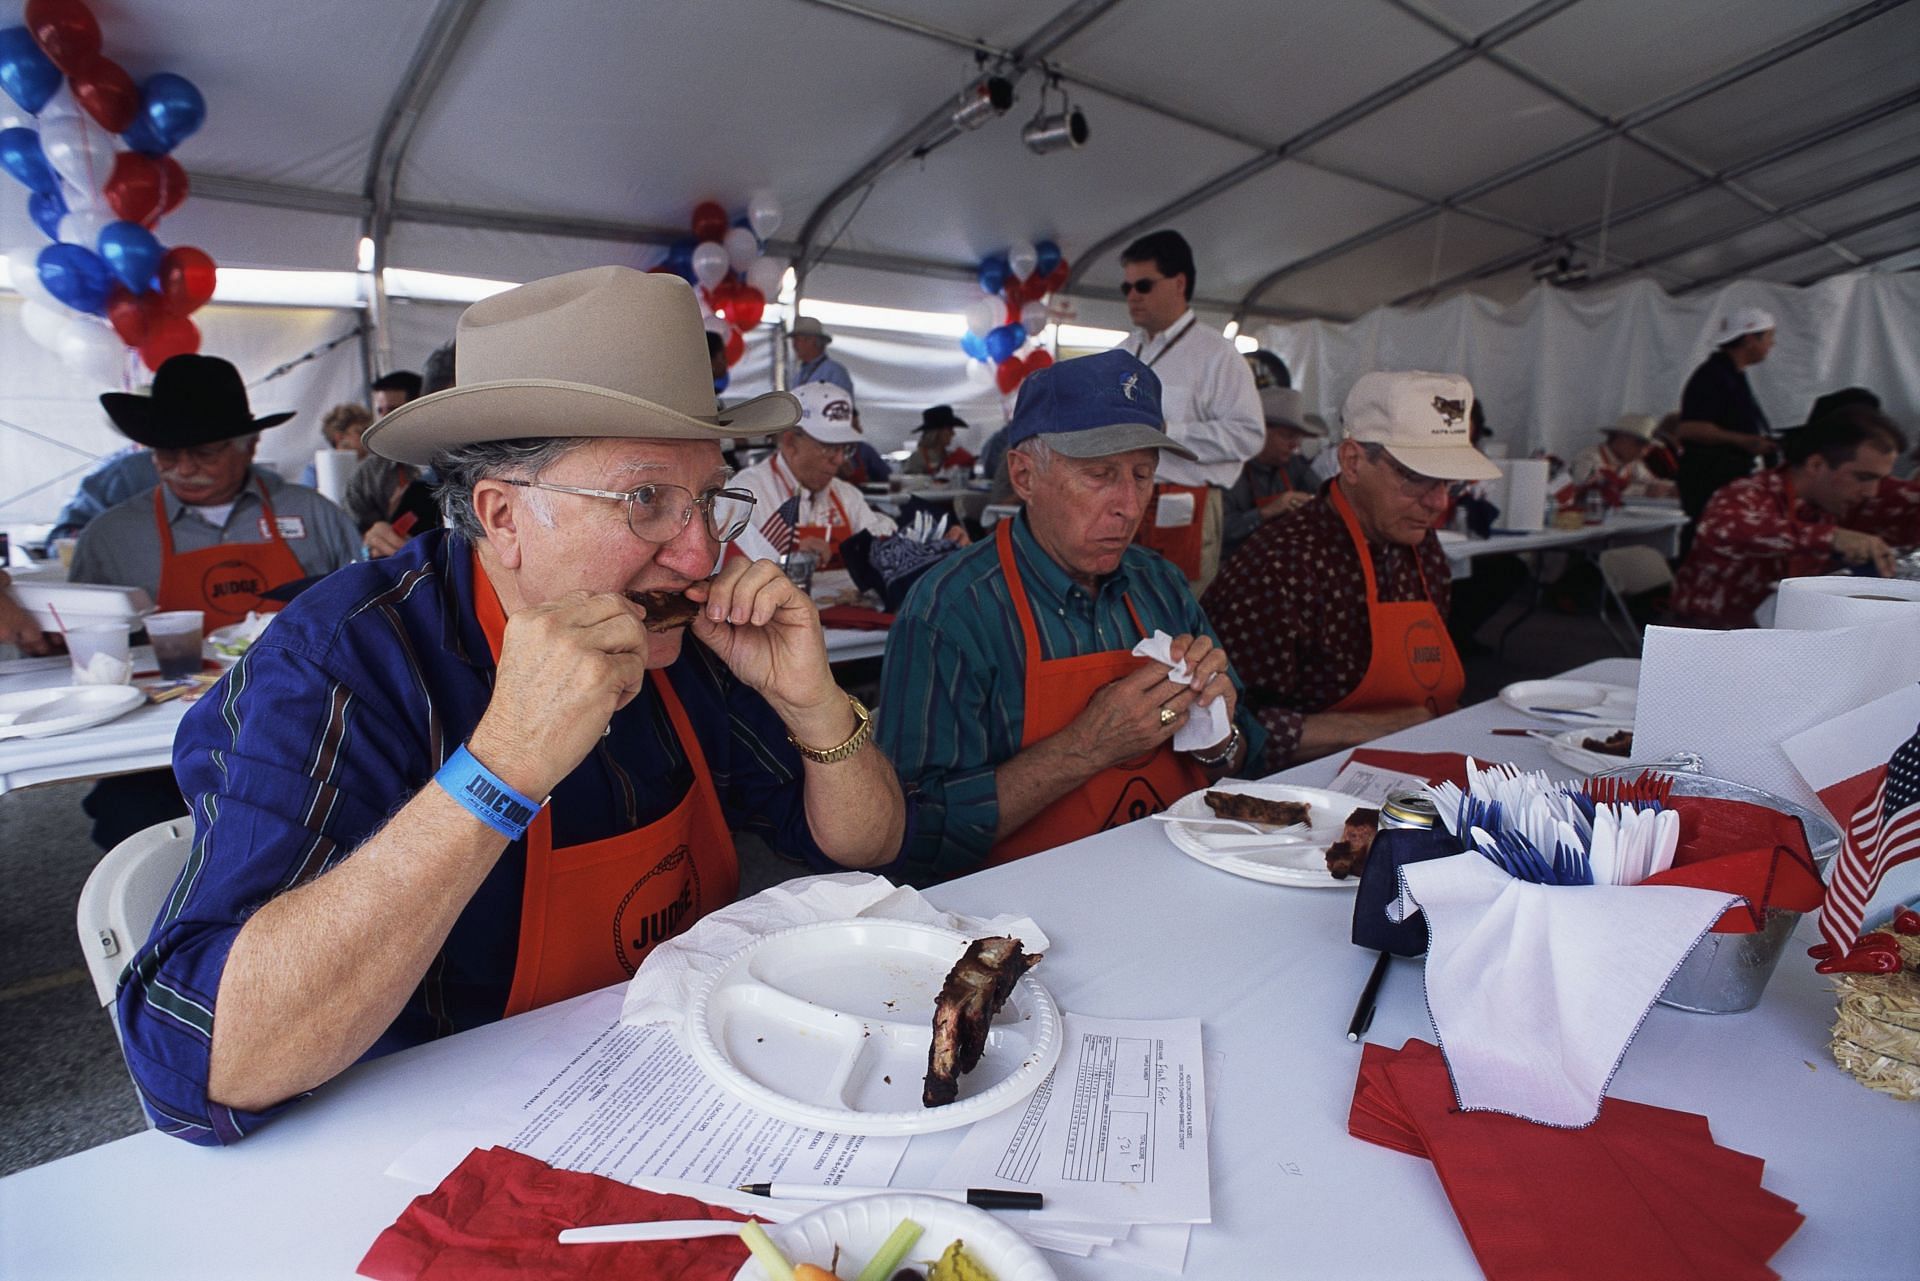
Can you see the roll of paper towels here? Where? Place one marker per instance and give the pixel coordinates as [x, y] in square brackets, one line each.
[332, 469]
[1525, 507]
[1841, 600]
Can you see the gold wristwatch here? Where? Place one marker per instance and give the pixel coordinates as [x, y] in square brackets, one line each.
[862, 731]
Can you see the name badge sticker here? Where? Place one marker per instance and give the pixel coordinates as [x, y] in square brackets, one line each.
[290, 527]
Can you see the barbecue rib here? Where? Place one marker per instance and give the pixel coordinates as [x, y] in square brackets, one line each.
[665, 610]
[976, 987]
[1348, 856]
[1254, 809]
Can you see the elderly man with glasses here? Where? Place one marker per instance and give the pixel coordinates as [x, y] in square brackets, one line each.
[1336, 613]
[493, 770]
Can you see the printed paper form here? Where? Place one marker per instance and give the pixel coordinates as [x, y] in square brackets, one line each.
[604, 1097]
[1117, 1133]
[1372, 784]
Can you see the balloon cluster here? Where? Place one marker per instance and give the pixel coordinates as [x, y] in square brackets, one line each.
[727, 264]
[1014, 311]
[104, 283]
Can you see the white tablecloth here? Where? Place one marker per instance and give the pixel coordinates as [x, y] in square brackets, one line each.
[1139, 931]
[1653, 526]
[142, 739]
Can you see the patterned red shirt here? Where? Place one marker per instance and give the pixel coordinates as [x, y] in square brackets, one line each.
[1290, 609]
[1753, 533]
[1892, 514]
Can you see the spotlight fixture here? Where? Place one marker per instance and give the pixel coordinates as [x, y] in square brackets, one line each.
[1560, 267]
[1065, 128]
[985, 99]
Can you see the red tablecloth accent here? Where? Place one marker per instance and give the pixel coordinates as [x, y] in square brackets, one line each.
[857, 617]
[1743, 849]
[1435, 767]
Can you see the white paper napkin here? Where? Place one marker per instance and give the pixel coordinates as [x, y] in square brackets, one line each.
[1536, 990]
[664, 986]
[1207, 726]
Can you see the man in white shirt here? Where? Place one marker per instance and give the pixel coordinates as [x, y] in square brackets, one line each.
[1207, 395]
[805, 464]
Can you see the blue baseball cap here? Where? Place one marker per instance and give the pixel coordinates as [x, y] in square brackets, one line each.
[1107, 403]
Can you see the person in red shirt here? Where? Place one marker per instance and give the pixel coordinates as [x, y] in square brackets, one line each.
[1785, 522]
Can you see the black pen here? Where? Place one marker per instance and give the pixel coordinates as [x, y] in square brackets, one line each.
[984, 1198]
[1363, 1011]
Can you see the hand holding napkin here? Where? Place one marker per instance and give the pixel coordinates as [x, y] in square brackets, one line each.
[1206, 726]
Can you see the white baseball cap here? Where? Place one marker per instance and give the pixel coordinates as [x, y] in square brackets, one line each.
[1423, 420]
[1740, 322]
[826, 413]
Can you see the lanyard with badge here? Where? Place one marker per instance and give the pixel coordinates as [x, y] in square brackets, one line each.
[1191, 322]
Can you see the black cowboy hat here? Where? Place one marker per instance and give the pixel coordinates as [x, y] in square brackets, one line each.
[196, 400]
[939, 416]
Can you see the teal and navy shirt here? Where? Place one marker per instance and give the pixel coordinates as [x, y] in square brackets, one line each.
[953, 692]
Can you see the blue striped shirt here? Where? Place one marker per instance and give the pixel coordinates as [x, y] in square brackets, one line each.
[953, 692]
[345, 708]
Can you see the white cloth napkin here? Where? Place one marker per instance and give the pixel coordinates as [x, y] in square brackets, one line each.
[1207, 726]
[1536, 990]
[662, 989]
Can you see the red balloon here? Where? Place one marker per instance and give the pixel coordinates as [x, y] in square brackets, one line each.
[105, 89]
[716, 297]
[135, 187]
[1008, 374]
[1013, 303]
[1057, 278]
[709, 221]
[66, 32]
[128, 315]
[745, 306]
[736, 347]
[173, 186]
[167, 337]
[1037, 359]
[1034, 289]
[187, 277]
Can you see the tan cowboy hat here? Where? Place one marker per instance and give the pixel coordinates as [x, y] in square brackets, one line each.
[808, 327]
[606, 352]
[1638, 426]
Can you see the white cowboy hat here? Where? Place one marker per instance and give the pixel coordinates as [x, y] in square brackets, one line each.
[1638, 426]
[606, 352]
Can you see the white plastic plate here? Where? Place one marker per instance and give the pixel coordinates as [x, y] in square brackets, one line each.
[1286, 856]
[1566, 748]
[1572, 702]
[827, 1026]
[248, 630]
[40, 713]
[859, 1227]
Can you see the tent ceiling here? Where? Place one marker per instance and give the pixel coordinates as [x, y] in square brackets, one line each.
[1305, 146]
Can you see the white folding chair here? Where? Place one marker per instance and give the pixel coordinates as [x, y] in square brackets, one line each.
[1629, 571]
[123, 897]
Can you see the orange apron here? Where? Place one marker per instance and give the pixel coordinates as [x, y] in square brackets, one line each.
[1057, 690]
[590, 913]
[227, 580]
[1182, 545]
[833, 534]
[1413, 663]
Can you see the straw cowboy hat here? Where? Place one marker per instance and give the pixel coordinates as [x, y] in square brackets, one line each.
[196, 400]
[606, 352]
[808, 327]
[1638, 426]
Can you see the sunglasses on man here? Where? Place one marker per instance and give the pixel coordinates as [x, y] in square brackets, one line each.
[1140, 286]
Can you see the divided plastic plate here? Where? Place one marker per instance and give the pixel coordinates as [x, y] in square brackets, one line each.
[828, 1025]
[40, 713]
[859, 1227]
[1573, 702]
[1566, 747]
[1286, 856]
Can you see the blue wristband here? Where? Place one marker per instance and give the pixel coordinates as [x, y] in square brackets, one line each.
[488, 799]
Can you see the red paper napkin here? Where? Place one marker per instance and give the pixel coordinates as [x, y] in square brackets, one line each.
[1435, 767]
[1743, 849]
[856, 617]
[1642, 1192]
[499, 1215]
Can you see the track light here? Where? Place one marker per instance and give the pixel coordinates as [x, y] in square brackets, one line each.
[983, 100]
[1063, 129]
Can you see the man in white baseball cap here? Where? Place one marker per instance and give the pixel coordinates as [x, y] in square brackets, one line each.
[1721, 424]
[1618, 458]
[1336, 613]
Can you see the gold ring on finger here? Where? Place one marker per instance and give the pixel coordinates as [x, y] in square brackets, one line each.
[1167, 716]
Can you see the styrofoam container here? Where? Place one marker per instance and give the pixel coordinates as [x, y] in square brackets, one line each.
[82, 604]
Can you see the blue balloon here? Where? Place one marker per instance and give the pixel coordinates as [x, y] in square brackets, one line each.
[132, 252]
[720, 382]
[1048, 257]
[173, 107]
[139, 136]
[75, 276]
[993, 273]
[974, 345]
[47, 209]
[28, 75]
[21, 156]
[1005, 340]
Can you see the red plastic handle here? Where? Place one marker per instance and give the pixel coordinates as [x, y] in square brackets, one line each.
[1906, 921]
[1862, 960]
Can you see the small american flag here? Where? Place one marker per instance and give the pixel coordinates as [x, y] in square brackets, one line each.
[779, 526]
[1883, 832]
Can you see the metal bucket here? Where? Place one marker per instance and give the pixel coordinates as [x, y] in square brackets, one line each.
[1726, 973]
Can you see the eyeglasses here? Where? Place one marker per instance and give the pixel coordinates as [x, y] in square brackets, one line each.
[657, 513]
[1412, 483]
[831, 451]
[166, 459]
[1139, 286]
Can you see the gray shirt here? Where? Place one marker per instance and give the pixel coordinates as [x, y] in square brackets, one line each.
[120, 545]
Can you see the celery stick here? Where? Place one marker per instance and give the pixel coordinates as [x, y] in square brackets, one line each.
[892, 1251]
[772, 1262]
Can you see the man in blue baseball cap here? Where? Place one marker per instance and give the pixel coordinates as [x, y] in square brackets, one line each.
[1011, 699]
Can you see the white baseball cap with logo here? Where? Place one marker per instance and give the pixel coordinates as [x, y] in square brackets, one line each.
[826, 413]
[1423, 421]
[1740, 322]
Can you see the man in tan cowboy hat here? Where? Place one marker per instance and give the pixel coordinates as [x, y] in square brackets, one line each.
[493, 770]
[1623, 444]
[1276, 480]
[810, 341]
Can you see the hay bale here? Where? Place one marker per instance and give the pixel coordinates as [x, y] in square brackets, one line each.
[1876, 1031]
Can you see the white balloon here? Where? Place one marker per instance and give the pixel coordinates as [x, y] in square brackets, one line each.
[982, 315]
[709, 263]
[91, 349]
[1023, 258]
[763, 214]
[79, 150]
[43, 324]
[12, 118]
[741, 247]
[1033, 317]
[82, 227]
[980, 371]
[765, 273]
[23, 263]
[714, 324]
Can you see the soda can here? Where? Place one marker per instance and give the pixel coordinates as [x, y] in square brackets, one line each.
[1412, 808]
